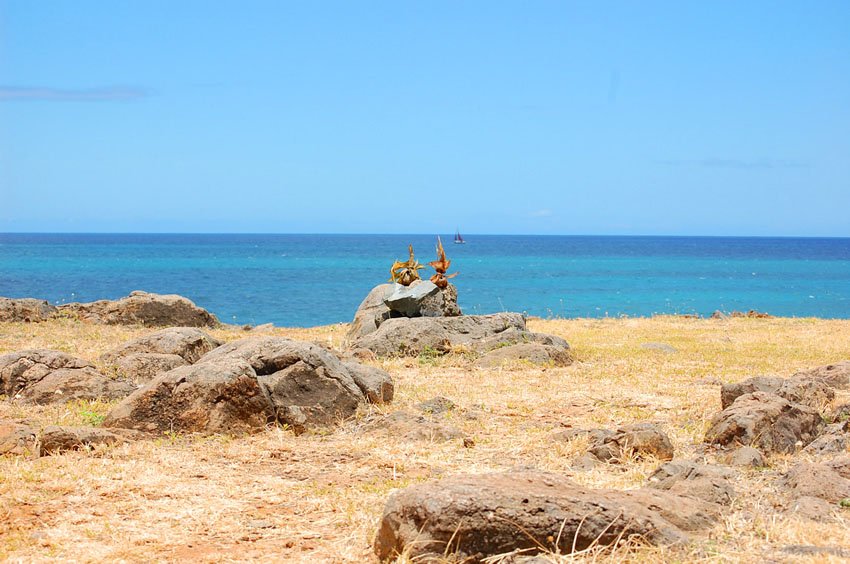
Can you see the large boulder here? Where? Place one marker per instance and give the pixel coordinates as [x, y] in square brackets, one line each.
[371, 312]
[766, 421]
[143, 358]
[441, 304]
[25, 309]
[245, 384]
[477, 516]
[47, 376]
[478, 333]
[143, 308]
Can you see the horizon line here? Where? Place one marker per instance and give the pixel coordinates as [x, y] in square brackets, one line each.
[2, 233]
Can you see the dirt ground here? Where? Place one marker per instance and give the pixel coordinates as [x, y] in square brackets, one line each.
[318, 497]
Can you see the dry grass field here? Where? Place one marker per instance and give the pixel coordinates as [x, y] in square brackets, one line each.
[318, 497]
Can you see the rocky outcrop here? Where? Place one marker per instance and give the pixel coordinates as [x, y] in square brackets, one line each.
[478, 333]
[25, 309]
[477, 516]
[246, 384]
[766, 421]
[47, 376]
[144, 358]
[142, 308]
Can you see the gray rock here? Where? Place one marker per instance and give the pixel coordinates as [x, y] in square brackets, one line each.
[143, 308]
[242, 386]
[189, 343]
[534, 353]
[730, 392]
[812, 550]
[766, 421]
[45, 376]
[441, 304]
[144, 358]
[691, 479]
[371, 312]
[407, 300]
[476, 333]
[477, 516]
[25, 309]
[376, 384]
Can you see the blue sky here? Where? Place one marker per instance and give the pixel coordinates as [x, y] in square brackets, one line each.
[682, 118]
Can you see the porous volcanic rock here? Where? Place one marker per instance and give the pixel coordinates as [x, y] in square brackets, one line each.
[143, 308]
[47, 376]
[766, 421]
[143, 358]
[745, 456]
[534, 353]
[476, 516]
[25, 309]
[692, 479]
[834, 438]
[245, 384]
[478, 333]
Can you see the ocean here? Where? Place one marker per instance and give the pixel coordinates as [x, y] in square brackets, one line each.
[307, 280]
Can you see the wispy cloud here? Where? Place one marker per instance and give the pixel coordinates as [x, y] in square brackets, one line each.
[717, 162]
[101, 94]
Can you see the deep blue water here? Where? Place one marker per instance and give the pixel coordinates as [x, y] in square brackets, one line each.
[304, 280]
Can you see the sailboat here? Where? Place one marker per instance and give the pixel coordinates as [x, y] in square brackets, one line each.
[458, 239]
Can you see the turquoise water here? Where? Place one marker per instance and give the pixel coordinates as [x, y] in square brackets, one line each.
[304, 280]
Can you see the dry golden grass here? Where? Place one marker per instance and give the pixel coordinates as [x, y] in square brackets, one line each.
[318, 497]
